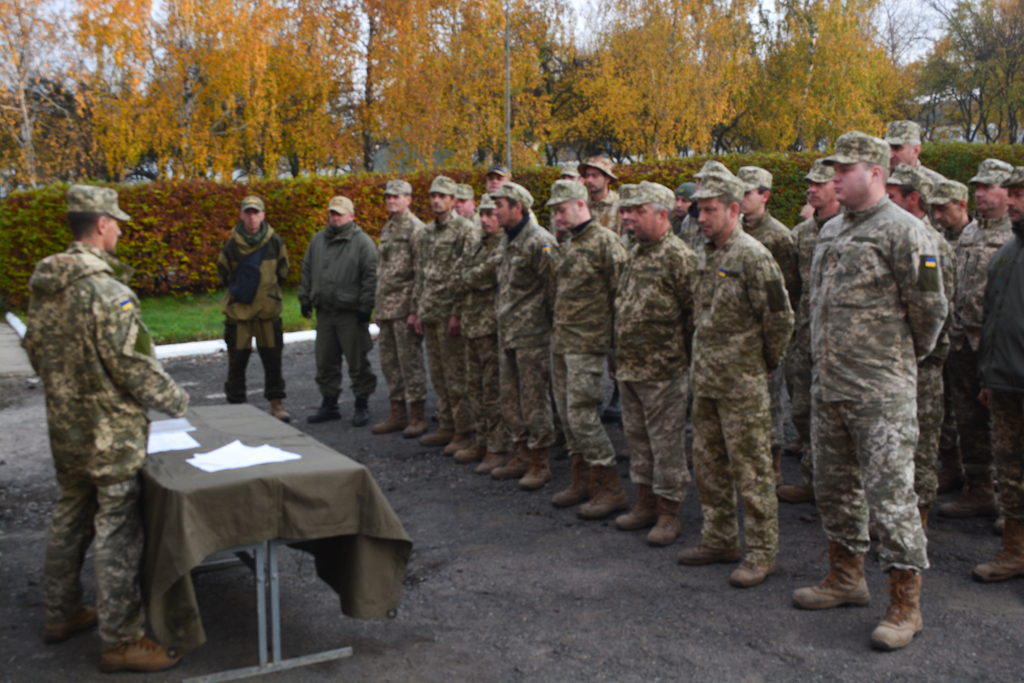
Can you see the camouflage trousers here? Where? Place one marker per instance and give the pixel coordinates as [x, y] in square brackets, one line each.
[864, 466]
[973, 420]
[238, 361]
[798, 383]
[778, 417]
[340, 334]
[930, 412]
[949, 441]
[654, 420]
[401, 359]
[576, 379]
[732, 451]
[526, 395]
[447, 358]
[111, 514]
[482, 382]
[1008, 443]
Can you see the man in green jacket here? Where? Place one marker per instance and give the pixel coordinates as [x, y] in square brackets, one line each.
[339, 280]
[252, 266]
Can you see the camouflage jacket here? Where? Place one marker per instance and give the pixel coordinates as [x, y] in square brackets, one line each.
[877, 305]
[743, 318]
[690, 233]
[947, 261]
[526, 287]
[398, 252]
[606, 212]
[805, 236]
[89, 345]
[779, 240]
[654, 311]
[273, 271]
[587, 275]
[443, 244]
[475, 282]
[978, 243]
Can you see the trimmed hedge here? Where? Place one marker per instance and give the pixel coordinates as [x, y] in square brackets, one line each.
[178, 228]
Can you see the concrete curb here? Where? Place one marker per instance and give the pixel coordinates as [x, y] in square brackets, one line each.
[15, 322]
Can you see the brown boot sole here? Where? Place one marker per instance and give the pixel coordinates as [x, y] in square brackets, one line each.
[569, 497]
[595, 512]
[698, 556]
[635, 523]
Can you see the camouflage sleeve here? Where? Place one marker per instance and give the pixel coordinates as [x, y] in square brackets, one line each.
[916, 266]
[417, 259]
[126, 351]
[367, 274]
[785, 255]
[770, 302]
[283, 266]
[545, 259]
[457, 298]
[306, 282]
[685, 270]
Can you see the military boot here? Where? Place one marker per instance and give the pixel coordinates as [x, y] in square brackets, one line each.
[460, 443]
[398, 419]
[606, 494]
[705, 555]
[361, 416]
[903, 618]
[328, 411]
[978, 499]
[1009, 562]
[277, 410]
[516, 467]
[844, 585]
[539, 471]
[777, 464]
[490, 462]
[613, 411]
[142, 655]
[750, 574]
[951, 471]
[667, 529]
[794, 493]
[578, 489]
[59, 631]
[474, 453]
[644, 514]
[417, 420]
[440, 437]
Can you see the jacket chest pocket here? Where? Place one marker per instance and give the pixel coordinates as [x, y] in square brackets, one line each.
[858, 274]
[730, 305]
[395, 247]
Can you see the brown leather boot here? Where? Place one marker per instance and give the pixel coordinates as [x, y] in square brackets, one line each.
[644, 513]
[417, 420]
[606, 494]
[794, 493]
[750, 574]
[278, 411]
[490, 462]
[951, 472]
[398, 419]
[978, 499]
[578, 489]
[666, 531]
[517, 466]
[59, 631]
[440, 437]
[705, 555]
[142, 655]
[474, 453]
[777, 464]
[460, 443]
[1009, 562]
[844, 585]
[539, 471]
[903, 618]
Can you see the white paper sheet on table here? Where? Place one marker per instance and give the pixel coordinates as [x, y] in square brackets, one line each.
[237, 455]
[160, 442]
[181, 424]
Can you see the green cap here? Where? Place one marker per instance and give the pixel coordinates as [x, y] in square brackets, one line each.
[901, 132]
[684, 190]
[992, 172]
[442, 184]
[855, 146]
[712, 166]
[1016, 178]
[948, 191]
[397, 187]
[341, 205]
[515, 192]
[566, 190]
[908, 175]
[820, 172]
[464, 191]
[486, 203]
[253, 202]
[754, 177]
[93, 199]
[719, 184]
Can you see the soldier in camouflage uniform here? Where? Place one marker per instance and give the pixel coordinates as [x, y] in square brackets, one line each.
[524, 306]
[877, 309]
[653, 333]
[586, 277]
[87, 341]
[438, 317]
[475, 281]
[977, 244]
[743, 322]
[689, 229]
[821, 196]
[759, 223]
[401, 347]
[681, 207]
[907, 188]
[904, 140]
[465, 204]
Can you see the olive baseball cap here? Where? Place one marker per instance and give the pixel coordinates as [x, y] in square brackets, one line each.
[820, 172]
[253, 202]
[712, 166]
[442, 184]
[948, 191]
[1016, 178]
[992, 172]
[500, 169]
[901, 132]
[855, 146]
[464, 191]
[486, 203]
[754, 177]
[515, 192]
[565, 191]
[397, 187]
[908, 175]
[94, 199]
[341, 205]
[601, 163]
[684, 190]
[719, 184]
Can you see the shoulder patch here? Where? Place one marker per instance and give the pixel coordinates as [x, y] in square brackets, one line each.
[126, 305]
[928, 279]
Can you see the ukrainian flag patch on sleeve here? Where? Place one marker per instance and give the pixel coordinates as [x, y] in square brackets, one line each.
[126, 305]
[929, 262]
[722, 272]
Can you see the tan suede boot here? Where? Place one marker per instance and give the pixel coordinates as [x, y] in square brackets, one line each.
[490, 462]
[777, 464]
[978, 499]
[474, 453]
[606, 494]
[539, 471]
[844, 585]
[903, 618]
[142, 655]
[794, 493]
[278, 411]
[644, 514]
[1009, 562]
[417, 420]
[460, 443]
[59, 631]
[705, 555]
[398, 419]
[440, 437]
[750, 574]
[517, 466]
[578, 489]
[666, 531]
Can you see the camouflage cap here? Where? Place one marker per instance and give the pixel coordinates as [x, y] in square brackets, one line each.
[855, 146]
[397, 187]
[486, 203]
[992, 172]
[601, 163]
[908, 175]
[627, 193]
[499, 169]
[1016, 178]
[901, 132]
[93, 199]
[464, 191]
[712, 166]
[568, 170]
[948, 191]
[684, 190]
[653, 193]
[755, 177]
[253, 202]
[566, 190]
[442, 184]
[515, 192]
[820, 172]
[719, 184]
[341, 205]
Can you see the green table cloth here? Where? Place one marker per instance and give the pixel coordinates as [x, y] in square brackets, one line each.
[327, 500]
